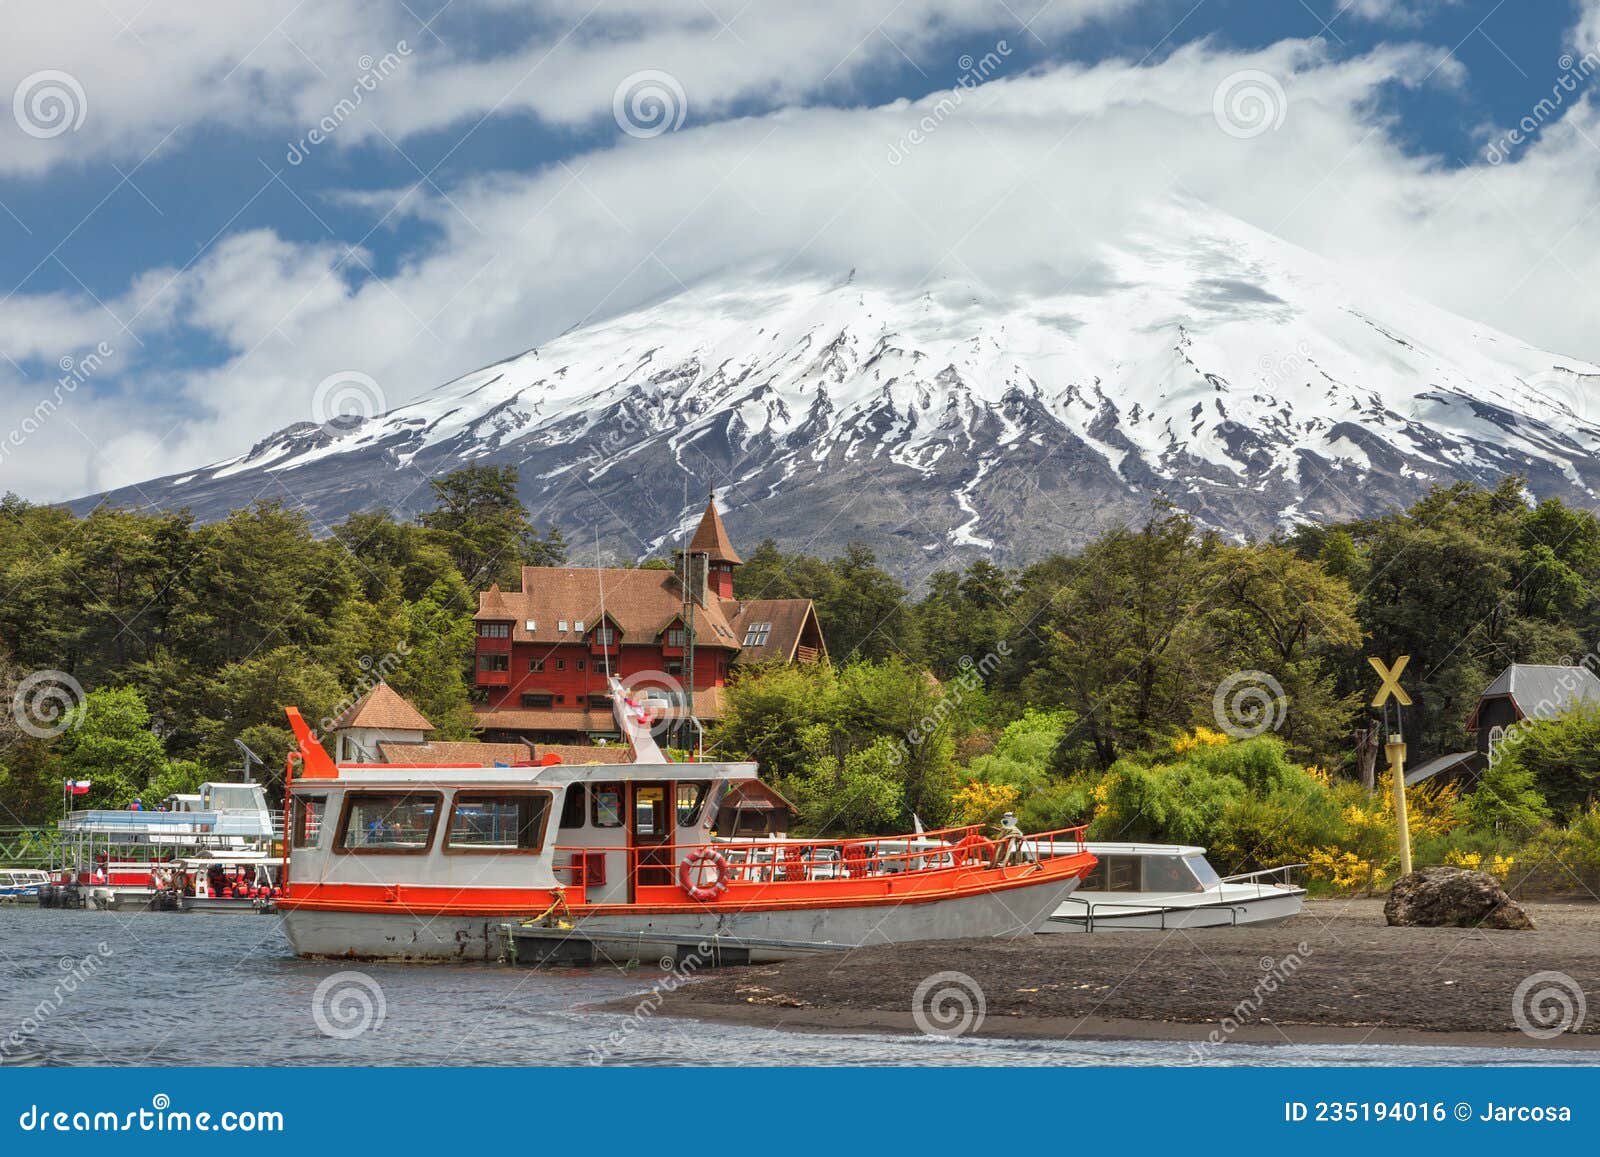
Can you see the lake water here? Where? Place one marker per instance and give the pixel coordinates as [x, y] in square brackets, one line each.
[105, 988]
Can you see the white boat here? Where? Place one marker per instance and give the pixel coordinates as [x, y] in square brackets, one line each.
[1155, 887]
[130, 860]
[21, 885]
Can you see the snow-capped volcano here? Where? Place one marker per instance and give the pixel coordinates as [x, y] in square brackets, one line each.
[1199, 359]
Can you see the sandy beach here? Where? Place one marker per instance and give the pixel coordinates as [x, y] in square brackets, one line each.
[1334, 974]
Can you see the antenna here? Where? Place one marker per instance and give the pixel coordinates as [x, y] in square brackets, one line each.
[249, 758]
[605, 631]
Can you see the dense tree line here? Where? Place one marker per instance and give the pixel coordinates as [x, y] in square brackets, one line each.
[187, 637]
[1095, 685]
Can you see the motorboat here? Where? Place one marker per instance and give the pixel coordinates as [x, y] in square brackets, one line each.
[21, 885]
[226, 882]
[1154, 887]
[579, 863]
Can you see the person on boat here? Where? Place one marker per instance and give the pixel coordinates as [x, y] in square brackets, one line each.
[1008, 845]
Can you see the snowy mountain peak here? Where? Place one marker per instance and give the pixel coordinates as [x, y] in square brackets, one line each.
[1247, 379]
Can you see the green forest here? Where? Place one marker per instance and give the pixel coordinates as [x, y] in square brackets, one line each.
[1161, 683]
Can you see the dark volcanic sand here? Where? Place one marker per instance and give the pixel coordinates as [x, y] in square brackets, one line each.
[1358, 980]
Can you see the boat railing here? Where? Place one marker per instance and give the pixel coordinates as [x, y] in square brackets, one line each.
[803, 860]
[1092, 907]
[1283, 872]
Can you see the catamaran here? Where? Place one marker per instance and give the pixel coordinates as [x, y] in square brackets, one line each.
[134, 860]
[553, 862]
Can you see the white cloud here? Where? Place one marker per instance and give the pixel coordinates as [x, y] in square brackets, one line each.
[1016, 186]
[154, 71]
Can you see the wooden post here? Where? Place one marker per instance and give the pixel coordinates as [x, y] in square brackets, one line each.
[1367, 758]
[1397, 766]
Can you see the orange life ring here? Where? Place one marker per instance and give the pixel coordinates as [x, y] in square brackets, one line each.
[972, 846]
[687, 870]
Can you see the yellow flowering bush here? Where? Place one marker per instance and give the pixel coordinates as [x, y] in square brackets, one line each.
[981, 803]
[1199, 737]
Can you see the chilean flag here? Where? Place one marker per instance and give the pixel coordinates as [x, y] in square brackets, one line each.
[78, 786]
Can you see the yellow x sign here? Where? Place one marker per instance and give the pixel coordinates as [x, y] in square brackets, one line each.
[1391, 681]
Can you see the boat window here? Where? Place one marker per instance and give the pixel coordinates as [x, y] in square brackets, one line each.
[400, 822]
[1113, 874]
[1168, 874]
[607, 810]
[573, 808]
[308, 813]
[498, 821]
[691, 797]
[1203, 870]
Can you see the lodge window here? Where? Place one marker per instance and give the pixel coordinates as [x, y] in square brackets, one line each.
[494, 662]
[756, 634]
[388, 822]
[604, 636]
[573, 808]
[536, 666]
[691, 798]
[601, 702]
[498, 821]
[561, 664]
[674, 666]
[494, 630]
[580, 664]
[537, 699]
[607, 809]
[308, 813]
[675, 637]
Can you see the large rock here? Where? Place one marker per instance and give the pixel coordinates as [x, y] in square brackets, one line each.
[1453, 898]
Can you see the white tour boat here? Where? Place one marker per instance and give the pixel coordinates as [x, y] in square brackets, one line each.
[1164, 886]
[127, 859]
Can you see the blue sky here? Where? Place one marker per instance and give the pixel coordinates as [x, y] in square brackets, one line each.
[484, 196]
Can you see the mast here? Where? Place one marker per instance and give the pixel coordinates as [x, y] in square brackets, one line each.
[599, 575]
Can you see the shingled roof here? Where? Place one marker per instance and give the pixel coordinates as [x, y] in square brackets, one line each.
[786, 620]
[456, 753]
[642, 604]
[711, 537]
[382, 709]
